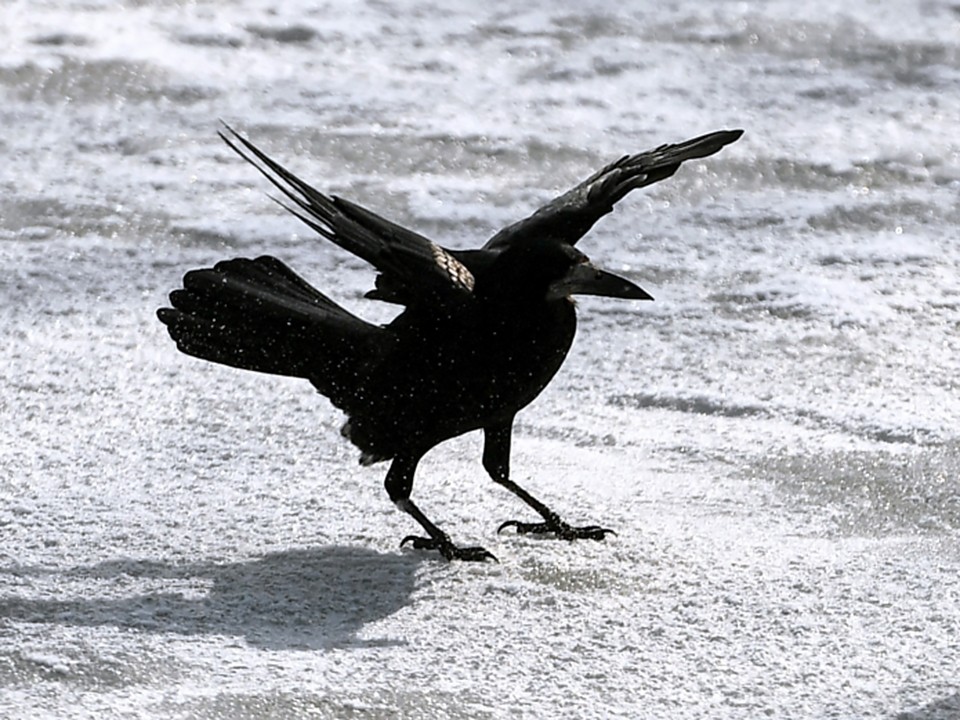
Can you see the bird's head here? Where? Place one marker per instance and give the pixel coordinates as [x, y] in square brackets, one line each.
[557, 270]
[582, 277]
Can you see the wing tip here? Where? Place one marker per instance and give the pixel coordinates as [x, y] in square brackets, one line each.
[730, 136]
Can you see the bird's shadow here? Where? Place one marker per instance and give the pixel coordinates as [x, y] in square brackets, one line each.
[313, 598]
[946, 708]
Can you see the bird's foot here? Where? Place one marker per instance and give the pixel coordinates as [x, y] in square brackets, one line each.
[559, 528]
[446, 548]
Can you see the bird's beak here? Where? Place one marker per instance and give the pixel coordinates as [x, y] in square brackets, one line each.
[585, 279]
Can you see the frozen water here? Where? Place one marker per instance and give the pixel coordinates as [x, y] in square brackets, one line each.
[775, 439]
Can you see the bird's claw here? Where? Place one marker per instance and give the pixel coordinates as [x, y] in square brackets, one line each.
[448, 549]
[559, 528]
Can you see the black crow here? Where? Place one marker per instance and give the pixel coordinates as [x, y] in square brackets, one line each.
[482, 331]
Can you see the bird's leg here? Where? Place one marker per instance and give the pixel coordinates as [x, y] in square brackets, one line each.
[399, 484]
[496, 460]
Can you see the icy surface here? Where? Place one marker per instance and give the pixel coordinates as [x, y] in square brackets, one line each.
[775, 439]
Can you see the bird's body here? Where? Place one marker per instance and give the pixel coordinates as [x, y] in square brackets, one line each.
[437, 378]
[481, 334]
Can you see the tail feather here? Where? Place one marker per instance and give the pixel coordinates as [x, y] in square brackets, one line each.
[240, 286]
[269, 272]
[260, 315]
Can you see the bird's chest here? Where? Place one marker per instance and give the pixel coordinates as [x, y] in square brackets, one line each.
[526, 345]
[495, 362]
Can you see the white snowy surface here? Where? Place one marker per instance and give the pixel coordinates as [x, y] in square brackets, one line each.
[775, 439]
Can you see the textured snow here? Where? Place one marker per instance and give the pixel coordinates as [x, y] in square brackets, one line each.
[774, 439]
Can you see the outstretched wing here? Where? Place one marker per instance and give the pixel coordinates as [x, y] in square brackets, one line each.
[568, 217]
[411, 266]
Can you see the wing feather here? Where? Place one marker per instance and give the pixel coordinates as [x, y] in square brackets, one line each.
[568, 217]
[411, 265]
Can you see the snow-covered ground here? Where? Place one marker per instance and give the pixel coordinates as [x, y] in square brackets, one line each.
[775, 439]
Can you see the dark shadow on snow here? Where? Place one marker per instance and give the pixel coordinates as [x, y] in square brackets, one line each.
[947, 708]
[310, 598]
